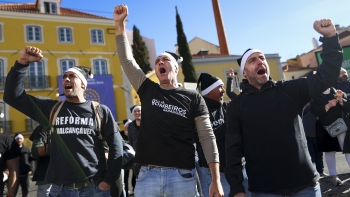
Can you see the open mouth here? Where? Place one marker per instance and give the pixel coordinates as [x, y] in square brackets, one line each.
[261, 71]
[68, 87]
[162, 70]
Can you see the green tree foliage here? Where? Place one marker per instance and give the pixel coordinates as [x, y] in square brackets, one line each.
[140, 51]
[187, 65]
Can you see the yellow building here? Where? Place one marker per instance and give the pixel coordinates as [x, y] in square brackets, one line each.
[67, 37]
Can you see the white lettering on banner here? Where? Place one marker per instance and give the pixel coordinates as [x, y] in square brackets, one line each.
[169, 108]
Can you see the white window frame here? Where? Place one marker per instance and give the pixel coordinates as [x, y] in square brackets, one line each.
[5, 62]
[66, 60]
[59, 34]
[50, 7]
[100, 58]
[103, 36]
[58, 62]
[1, 32]
[236, 80]
[41, 33]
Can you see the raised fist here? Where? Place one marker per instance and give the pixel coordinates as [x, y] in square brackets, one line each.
[30, 54]
[120, 13]
[325, 27]
[231, 73]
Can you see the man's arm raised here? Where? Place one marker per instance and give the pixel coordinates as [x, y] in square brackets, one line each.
[131, 68]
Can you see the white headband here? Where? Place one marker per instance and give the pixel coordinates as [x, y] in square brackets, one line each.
[19, 136]
[212, 87]
[80, 75]
[137, 107]
[245, 57]
[127, 122]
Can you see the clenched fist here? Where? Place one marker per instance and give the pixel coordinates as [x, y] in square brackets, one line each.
[120, 13]
[325, 27]
[30, 54]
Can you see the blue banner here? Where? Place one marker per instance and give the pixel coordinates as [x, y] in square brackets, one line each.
[100, 89]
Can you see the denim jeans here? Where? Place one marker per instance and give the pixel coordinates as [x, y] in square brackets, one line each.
[205, 179]
[307, 192]
[165, 182]
[316, 156]
[43, 190]
[94, 191]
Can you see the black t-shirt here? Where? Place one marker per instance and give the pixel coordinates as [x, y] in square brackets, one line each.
[9, 149]
[168, 127]
[76, 151]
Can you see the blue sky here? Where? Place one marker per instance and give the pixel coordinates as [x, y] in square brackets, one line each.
[273, 26]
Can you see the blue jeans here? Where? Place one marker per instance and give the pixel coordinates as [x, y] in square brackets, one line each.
[43, 190]
[205, 179]
[61, 191]
[307, 192]
[316, 156]
[165, 182]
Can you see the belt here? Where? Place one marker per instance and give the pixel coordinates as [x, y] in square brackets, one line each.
[84, 184]
[164, 167]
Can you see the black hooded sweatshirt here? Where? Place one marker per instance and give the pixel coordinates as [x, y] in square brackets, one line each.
[265, 127]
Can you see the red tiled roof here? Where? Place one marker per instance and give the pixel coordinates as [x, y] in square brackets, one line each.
[31, 8]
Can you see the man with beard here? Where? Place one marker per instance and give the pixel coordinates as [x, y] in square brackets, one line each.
[25, 166]
[264, 124]
[343, 83]
[165, 142]
[78, 165]
[212, 90]
[133, 130]
[9, 158]
[134, 126]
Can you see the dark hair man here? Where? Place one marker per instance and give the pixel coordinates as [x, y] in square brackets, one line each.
[9, 158]
[264, 124]
[212, 90]
[25, 166]
[78, 164]
[165, 147]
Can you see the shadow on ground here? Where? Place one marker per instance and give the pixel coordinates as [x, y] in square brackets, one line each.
[328, 190]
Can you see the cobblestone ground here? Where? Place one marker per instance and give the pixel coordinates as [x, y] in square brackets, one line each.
[328, 190]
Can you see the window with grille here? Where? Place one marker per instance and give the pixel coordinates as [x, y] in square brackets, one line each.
[50, 8]
[66, 64]
[36, 75]
[100, 67]
[97, 36]
[65, 35]
[34, 33]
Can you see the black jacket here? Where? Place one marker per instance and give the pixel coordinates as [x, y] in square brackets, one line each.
[25, 161]
[217, 112]
[39, 136]
[133, 134]
[325, 142]
[265, 126]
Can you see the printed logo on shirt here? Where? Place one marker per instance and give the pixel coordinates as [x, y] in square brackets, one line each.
[77, 121]
[169, 108]
[217, 123]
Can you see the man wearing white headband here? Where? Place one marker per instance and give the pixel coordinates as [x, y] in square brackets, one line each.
[76, 139]
[264, 124]
[165, 146]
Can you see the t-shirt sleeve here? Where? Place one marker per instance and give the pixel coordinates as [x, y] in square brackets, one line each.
[13, 150]
[200, 108]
